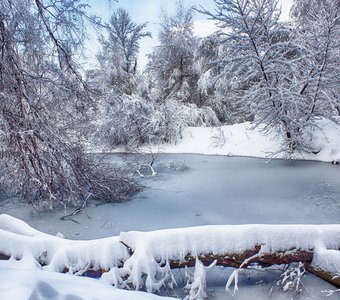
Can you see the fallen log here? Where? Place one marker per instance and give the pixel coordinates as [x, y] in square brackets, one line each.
[235, 261]
[239, 246]
[135, 259]
[252, 257]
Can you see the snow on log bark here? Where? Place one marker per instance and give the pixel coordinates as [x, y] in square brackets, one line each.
[236, 240]
[235, 246]
[250, 256]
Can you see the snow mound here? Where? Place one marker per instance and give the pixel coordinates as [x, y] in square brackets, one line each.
[19, 283]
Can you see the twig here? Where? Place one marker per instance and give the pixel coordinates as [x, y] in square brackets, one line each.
[78, 210]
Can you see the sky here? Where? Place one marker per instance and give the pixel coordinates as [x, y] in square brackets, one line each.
[142, 11]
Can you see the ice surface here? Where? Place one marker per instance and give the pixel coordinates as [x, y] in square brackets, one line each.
[213, 190]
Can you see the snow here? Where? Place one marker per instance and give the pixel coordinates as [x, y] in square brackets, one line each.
[24, 243]
[17, 282]
[175, 244]
[23, 277]
[327, 260]
[245, 140]
[141, 259]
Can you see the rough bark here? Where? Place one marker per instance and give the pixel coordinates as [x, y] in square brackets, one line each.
[248, 257]
[327, 276]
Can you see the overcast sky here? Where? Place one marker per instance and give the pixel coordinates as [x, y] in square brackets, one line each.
[142, 11]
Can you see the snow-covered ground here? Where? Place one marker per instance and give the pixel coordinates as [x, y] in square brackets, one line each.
[245, 140]
[18, 283]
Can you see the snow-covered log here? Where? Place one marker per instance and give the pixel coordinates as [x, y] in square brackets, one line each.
[143, 260]
[238, 246]
[35, 249]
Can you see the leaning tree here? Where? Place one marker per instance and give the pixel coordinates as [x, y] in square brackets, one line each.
[43, 106]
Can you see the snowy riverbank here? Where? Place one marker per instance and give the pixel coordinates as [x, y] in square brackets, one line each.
[245, 140]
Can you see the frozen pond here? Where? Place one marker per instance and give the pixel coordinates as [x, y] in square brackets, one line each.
[194, 190]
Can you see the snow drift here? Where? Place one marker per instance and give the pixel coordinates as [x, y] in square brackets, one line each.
[245, 140]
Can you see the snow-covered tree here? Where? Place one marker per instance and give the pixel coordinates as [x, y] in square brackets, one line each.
[126, 34]
[260, 64]
[282, 75]
[211, 84]
[120, 48]
[43, 106]
[171, 63]
[124, 105]
[318, 26]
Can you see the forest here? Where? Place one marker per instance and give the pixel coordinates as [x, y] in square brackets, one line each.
[57, 117]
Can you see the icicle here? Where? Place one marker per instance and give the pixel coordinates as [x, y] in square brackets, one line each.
[233, 278]
[197, 282]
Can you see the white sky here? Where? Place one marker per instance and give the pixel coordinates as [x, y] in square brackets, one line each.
[142, 11]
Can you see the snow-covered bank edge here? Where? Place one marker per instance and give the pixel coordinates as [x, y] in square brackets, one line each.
[143, 260]
[246, 141]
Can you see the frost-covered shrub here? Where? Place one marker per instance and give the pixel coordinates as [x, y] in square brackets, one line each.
[132, 121]
[175, 116]
[124, 121]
